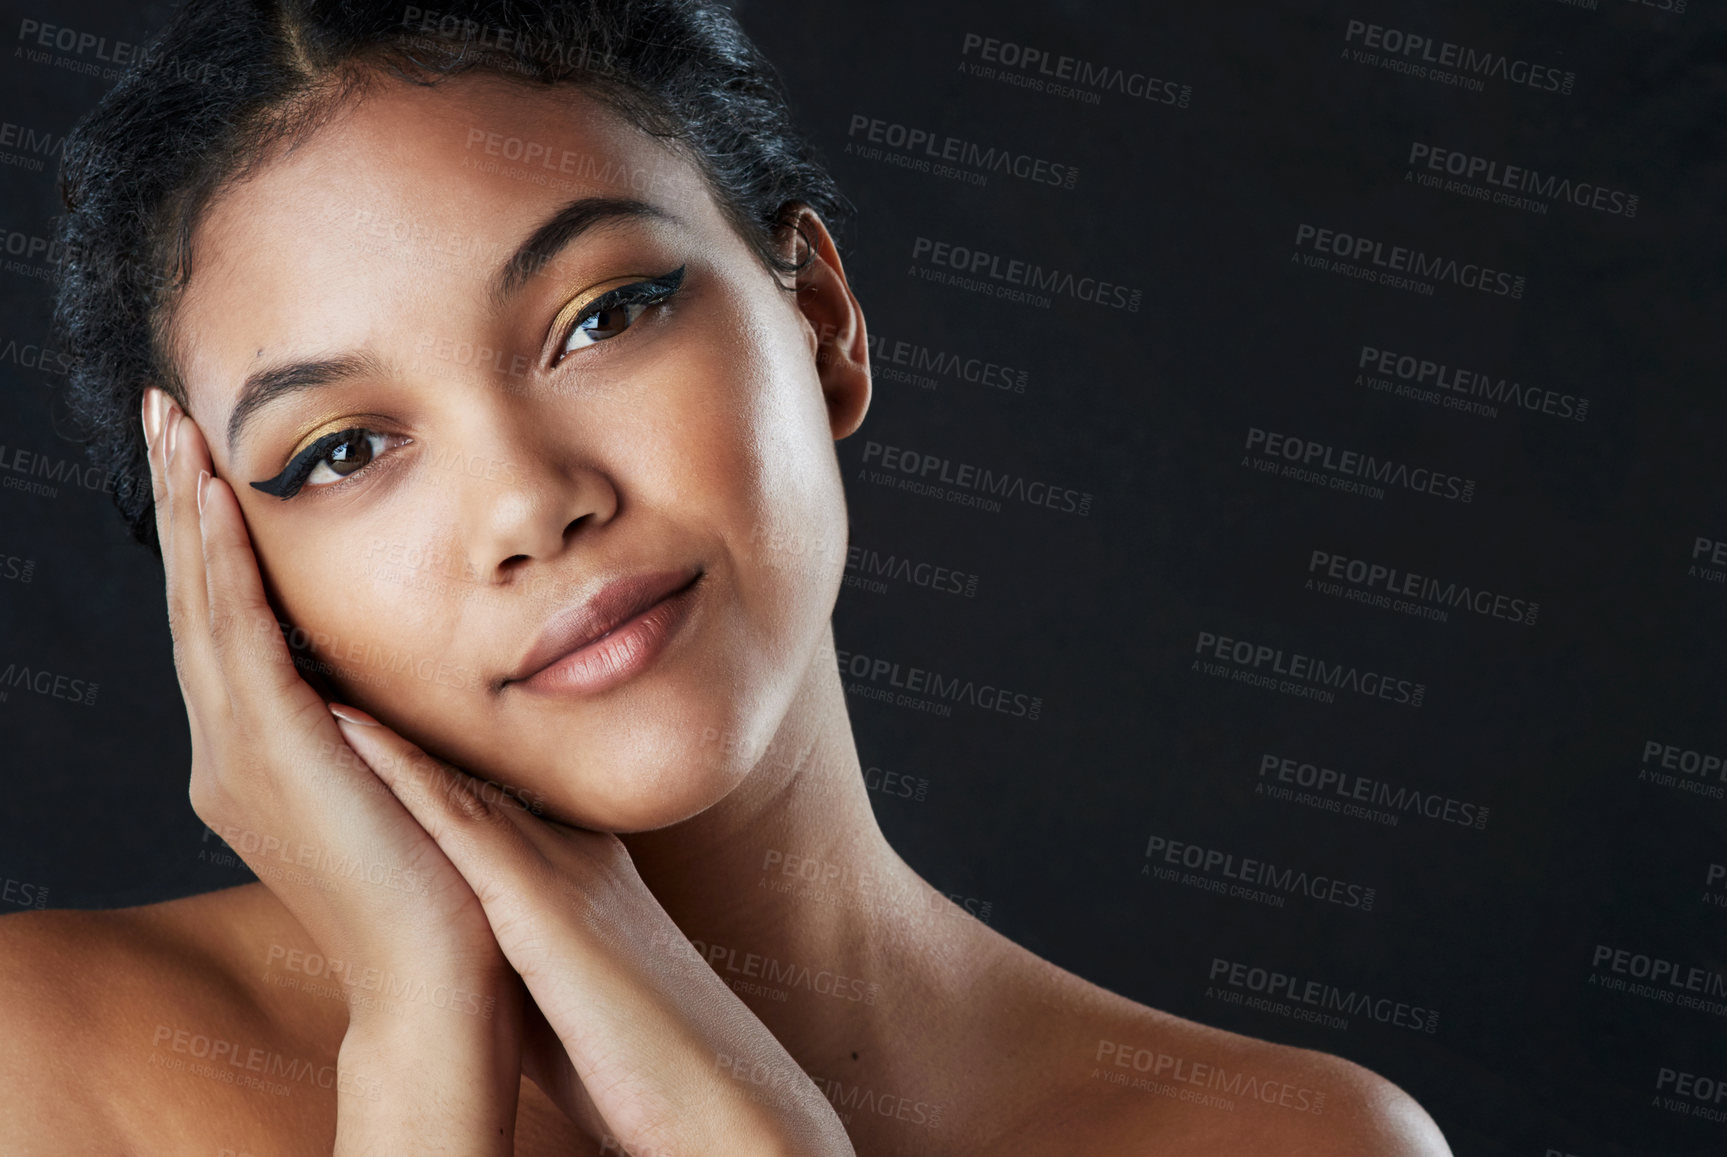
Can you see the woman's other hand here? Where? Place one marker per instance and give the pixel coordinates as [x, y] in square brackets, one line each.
[641, 1042]
[272, 773]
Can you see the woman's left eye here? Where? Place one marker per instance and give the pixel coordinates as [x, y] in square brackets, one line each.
[616, 310]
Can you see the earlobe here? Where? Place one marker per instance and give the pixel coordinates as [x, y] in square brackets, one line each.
[835, 323]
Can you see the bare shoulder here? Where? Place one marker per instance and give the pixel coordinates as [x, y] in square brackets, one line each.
[1134, 1079]
[95, 1002]
[53, 1055]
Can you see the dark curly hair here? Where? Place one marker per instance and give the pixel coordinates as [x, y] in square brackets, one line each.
[228, 82]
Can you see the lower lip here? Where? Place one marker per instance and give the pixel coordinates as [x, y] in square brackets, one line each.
[630, 648]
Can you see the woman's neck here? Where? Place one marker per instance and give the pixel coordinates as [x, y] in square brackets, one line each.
[790, 889]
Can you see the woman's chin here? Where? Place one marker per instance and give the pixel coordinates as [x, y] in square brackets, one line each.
[635, 799]
[622, 790]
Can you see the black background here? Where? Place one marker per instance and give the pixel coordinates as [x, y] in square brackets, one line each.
[1147, 411]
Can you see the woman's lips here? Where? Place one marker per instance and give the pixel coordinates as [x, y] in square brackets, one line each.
[610, 637]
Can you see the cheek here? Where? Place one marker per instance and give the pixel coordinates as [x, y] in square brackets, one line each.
[375, 611]
[772, 453]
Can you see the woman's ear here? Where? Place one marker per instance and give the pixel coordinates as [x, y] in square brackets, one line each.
[834, 322]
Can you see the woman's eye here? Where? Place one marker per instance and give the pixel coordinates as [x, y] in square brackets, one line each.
[356, 450]
[617, 309]
[600, 325]
[329, 460]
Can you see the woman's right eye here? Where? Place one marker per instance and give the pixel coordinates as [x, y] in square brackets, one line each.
[354, 451]
[330, 460]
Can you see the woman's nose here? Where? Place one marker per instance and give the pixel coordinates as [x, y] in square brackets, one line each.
[525, 497]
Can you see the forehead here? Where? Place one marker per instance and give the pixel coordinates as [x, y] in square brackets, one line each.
[409, 199]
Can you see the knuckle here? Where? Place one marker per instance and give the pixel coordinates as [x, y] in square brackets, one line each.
[206, 794]
[464, 802]
[180, 617]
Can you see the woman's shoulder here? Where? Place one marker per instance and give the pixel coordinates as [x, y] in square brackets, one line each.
[1148, 1076]
[104, 1010]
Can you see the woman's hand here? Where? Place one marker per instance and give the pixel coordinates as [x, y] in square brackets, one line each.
[272, 775]
[642, 1043]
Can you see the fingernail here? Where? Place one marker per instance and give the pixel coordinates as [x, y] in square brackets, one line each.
[152, 416]
[203, 477]
[174, 417]
[352, 715]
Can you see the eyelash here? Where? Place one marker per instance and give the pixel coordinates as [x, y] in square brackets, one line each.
[643, 294]
[654, 291]
[304, 464]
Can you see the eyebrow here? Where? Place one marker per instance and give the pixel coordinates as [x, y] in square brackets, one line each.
[563, 227]
[266, 385]
[580, 216]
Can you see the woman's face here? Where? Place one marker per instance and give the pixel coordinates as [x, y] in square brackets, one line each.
[525, 446]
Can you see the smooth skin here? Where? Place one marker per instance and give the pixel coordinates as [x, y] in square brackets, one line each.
[567, 924]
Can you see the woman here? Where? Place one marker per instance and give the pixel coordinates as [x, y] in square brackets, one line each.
[483, 367]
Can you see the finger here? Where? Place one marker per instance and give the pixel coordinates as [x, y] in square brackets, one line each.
[255, 664]
[545, 1063]
[158, 417]
[183, 559]
[468, 819]
[154, 409]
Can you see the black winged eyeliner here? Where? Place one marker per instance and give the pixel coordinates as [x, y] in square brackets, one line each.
[650, 292]
[293, 476]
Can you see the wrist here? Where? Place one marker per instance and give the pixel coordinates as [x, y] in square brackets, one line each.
[379, 996]
[421, 1081]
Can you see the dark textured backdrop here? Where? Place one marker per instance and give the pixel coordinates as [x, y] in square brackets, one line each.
[1540, 823]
